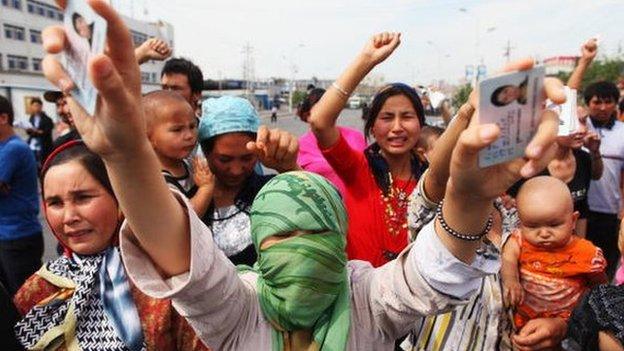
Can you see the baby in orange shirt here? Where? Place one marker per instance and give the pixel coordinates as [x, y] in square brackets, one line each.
[546, 268]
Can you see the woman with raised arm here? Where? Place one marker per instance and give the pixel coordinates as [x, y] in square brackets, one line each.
[379, 180]
[302, 294]
[83, 299]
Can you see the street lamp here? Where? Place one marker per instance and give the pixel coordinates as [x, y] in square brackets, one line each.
[477, 32]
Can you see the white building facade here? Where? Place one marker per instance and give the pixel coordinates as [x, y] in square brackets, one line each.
[21, 51]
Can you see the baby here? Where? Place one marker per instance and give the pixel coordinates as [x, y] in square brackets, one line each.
[426, 141]
[172, 131]
[546, 268]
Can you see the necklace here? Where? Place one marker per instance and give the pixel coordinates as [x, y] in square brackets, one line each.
[395, 203]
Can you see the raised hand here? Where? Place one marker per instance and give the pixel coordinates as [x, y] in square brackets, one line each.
[490, 182]
[118, 119]
[589, 49]
[153, 49]
[276, 149]
[592, 142]
[380, 46]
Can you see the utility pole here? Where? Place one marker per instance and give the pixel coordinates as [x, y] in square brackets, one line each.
[507, 52]
[248, 67]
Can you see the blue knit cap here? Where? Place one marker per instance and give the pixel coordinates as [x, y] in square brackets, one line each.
[227, 114]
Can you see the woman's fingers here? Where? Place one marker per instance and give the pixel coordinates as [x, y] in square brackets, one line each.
[472, 140]
[54, 39]
[120, 45]
[553, 89]
[542, 147]
[518, 65]
[56, 74]
[107, 81]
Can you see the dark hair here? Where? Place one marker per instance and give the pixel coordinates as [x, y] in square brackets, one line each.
[36, 100]
[425, 133]
[74, 18]
[208, 144]
[494, 98]
[601, 90]
[309, 101]
[392, 90]
[187, 68]
[6, 107]
[76, 150]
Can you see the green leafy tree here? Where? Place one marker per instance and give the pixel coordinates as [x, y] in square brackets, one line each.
[608, 69]
[461, 96]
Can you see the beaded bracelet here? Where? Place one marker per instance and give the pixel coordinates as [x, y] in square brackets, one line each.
[458, 235]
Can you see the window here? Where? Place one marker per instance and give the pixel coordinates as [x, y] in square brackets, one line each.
[44, 10]
[145, 77]
[138, 38]
[13, 32]
[17, 62]
[16, 4]
[35, 36]
[36, 64]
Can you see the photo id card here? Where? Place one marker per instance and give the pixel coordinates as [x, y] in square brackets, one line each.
[513, 101]
[86, 33]
[568, 121]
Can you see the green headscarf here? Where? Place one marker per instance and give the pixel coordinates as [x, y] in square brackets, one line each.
[302, 282]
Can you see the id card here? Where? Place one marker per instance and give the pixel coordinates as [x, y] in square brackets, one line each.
[568, 121]
[86, 33]
[513, 101]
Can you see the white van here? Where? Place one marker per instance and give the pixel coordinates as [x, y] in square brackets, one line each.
[354, 102]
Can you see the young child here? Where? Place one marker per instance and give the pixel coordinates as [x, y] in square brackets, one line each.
[426, 141]
[172, 131]
[546, 268]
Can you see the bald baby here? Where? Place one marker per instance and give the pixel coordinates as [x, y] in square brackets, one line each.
[546, 211]
[162, 106]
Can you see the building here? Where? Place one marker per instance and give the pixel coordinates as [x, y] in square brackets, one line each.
[556, 64]
[21, 52]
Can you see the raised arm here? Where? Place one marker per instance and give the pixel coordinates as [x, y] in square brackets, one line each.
[471, 190]
[117, 133]
[439, 164]
[588, 53]
[324, 114]
[152, 49]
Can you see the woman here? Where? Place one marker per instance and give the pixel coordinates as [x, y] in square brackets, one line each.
[310, 157]
[303, 234]
[379, 180]
[484, 320]
[227, 125]
[84, 298]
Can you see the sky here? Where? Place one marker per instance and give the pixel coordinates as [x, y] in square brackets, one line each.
[302, 39]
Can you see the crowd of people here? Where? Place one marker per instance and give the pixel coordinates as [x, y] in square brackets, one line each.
[172, 235]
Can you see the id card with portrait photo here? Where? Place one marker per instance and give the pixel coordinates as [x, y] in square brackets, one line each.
[86, 33]
[513, 101]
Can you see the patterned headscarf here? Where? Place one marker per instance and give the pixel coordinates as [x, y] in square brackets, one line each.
[302, 283]
[227, 114]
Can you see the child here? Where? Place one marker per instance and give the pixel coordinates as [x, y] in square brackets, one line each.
[172, 131]
[546, 269]
[426, 141]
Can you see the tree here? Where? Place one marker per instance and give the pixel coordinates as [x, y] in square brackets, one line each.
[608, 69]
[461, 96]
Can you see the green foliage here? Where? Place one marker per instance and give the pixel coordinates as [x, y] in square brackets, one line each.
[298, 97]
[608, 69]
[461, 96]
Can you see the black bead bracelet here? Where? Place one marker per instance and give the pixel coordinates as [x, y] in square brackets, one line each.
[458, 235]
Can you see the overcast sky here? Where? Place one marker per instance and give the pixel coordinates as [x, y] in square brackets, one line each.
[320, 37]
